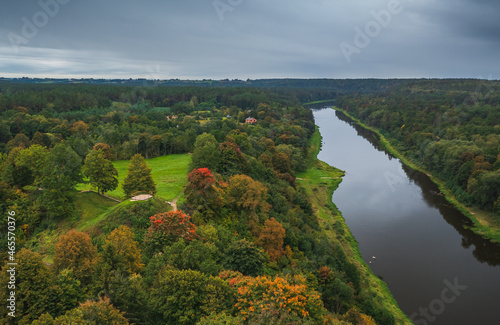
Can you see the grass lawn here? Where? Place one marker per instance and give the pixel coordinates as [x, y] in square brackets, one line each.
[169, 173]
[92, 207]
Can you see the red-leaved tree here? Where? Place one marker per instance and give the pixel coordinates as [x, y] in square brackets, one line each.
[203, 195]
[166, 228]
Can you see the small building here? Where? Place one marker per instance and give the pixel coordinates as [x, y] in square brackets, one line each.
[251, 120]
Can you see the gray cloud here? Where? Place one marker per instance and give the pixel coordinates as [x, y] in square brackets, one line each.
[256, 39]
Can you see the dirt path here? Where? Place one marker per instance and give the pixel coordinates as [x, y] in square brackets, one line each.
[174, 202]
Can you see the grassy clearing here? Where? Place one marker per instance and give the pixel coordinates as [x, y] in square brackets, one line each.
[169, 173]
[485, 223]
[320, 181]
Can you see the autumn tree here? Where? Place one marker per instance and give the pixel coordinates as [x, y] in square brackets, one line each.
[202, 194]
[244, 193]
[280, 294]
[74, 251]
[166, 228]
[271, 239]
[102, 312]
[122, 251]
[80, 128]
[205, 153]
[100, 171]
[138, 177]
[354, 316]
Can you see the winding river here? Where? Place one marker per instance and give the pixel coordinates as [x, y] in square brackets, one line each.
[439, 271]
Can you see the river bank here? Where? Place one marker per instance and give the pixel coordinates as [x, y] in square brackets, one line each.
[320, 181]
[484, 224]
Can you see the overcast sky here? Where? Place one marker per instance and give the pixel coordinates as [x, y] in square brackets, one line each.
[218, 39]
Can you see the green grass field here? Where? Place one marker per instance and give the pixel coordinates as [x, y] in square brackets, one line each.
[169, 173]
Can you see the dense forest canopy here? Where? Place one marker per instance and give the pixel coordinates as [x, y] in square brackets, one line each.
[244, 244]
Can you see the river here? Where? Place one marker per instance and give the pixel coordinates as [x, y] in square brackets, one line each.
[438, 271]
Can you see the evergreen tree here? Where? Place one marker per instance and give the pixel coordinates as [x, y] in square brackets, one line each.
[138, 177]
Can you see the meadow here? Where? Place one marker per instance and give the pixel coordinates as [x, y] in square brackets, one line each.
[169, 173]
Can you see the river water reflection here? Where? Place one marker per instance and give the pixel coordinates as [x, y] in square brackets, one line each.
[438, 271]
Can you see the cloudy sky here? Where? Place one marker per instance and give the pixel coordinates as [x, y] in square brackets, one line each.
[218, 39]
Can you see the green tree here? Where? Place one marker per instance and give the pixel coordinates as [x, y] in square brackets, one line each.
[15, 174]
[183, 297]
[194, 255]
[231, 159]
[36, 291]
[71, 289]
[138, 177]
[205, 153]
[62, 171]
[244, 257]
[100, 171]
[33, 159]
[73, 317]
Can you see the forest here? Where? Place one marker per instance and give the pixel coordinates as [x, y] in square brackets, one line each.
[244, 245]
[449, 127]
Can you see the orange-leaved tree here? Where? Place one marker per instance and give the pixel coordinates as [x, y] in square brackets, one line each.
[284, 295]
[123, 251]
[74, 251]
[271, 239]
